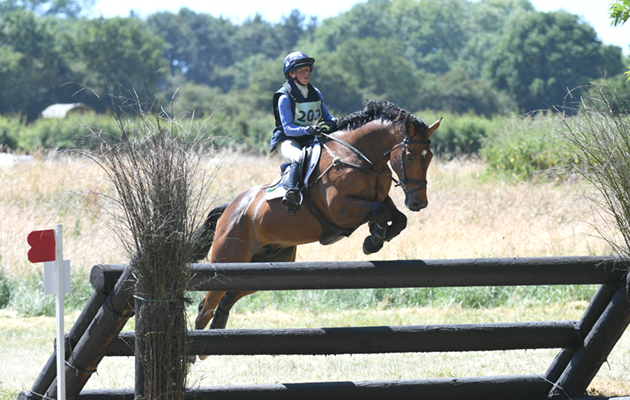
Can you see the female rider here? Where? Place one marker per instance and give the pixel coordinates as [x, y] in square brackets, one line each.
[300, 115]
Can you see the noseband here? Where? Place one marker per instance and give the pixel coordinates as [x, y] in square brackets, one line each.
[403, 183]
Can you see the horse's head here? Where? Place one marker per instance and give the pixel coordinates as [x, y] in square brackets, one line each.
[410, 160]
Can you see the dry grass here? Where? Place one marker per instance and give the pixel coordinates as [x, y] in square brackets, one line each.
[466, 217]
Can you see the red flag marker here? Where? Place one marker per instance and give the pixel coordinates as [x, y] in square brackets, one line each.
[42, 246]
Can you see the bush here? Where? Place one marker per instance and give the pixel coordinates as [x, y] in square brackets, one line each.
[599, 147]
[5, 291]
[523, 148]
[10, 129]
[27, 297]
[461, 134]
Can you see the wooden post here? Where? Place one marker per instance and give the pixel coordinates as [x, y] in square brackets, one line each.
[47, 376]
[596, 307]
[105, 327]
[589, 358]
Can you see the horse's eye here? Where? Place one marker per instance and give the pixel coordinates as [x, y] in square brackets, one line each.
[409, 157]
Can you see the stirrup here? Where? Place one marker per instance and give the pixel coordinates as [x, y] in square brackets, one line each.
[292, 200]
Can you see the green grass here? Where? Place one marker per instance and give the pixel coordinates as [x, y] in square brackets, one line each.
[26, 294]
[465, 297]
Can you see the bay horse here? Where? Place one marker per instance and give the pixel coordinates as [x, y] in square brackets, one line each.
[349, 187]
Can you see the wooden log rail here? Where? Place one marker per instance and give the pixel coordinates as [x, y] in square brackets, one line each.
[392, 274]
[585, 344]
[374, 340]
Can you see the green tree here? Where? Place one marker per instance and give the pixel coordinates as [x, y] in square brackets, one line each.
[366, 69]
[117, 53]
[364, 20]
[33, 64]
[542, 55]
[486, 21]
[457, 92]
[63, 8]
[434, 32]
[198, 45]
[619, 13]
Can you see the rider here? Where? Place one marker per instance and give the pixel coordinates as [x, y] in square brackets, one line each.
[300, 115]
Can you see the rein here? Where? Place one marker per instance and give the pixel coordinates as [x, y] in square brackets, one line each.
[422, 184]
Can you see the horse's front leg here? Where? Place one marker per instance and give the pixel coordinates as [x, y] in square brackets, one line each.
[379, 216]
[398, 220]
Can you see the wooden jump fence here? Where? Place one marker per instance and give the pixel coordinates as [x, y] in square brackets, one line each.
[584, 344]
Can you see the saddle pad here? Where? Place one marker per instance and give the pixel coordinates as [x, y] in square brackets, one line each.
[277, 190]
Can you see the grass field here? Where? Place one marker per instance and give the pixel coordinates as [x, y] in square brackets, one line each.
[470, 215]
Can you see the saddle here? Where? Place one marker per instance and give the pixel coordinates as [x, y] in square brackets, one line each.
[331, 233]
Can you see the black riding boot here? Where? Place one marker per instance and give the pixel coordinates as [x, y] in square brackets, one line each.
[293, 198]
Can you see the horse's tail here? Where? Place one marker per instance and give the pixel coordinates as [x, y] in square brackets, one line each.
[204, 236]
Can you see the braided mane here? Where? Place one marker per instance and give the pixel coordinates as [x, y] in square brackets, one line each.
[375, 110]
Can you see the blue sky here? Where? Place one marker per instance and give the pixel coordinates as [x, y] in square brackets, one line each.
[595, 12]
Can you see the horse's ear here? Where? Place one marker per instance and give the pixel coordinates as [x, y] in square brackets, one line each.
[434, 127]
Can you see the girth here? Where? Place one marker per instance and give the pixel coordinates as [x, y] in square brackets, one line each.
[331, 233]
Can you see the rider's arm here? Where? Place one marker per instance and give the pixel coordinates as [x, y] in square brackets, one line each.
[286, 117]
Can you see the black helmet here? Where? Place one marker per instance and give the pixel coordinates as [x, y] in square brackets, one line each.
[295, 61]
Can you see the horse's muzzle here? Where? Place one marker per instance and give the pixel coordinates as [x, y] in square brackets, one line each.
[416, 205]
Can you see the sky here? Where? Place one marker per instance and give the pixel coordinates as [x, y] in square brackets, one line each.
[594, 12]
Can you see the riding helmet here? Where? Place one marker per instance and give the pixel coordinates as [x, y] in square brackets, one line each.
[295, 61]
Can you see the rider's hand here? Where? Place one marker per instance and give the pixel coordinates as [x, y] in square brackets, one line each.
[315, 130]
[328, 126]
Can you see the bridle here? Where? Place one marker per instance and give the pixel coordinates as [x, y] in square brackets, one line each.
[404, 180]
[421, 184]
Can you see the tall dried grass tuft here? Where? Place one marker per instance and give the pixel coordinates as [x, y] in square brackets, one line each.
[155, 170]
[599, 151]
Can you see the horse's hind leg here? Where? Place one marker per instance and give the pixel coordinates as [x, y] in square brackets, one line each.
[207, 308]
[222, 312]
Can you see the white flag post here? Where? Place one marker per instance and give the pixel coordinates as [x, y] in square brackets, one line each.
[57, 282]
[61, 340]
[47, 247]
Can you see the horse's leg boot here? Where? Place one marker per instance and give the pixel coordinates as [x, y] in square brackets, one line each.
[220, 319]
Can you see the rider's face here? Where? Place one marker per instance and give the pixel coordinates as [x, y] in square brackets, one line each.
[303, 75]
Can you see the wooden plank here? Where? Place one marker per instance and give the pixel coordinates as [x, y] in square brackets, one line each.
[401, 273]
[523, 387]
[373, 340]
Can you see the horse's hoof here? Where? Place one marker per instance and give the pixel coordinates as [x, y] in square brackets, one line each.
[369, 247]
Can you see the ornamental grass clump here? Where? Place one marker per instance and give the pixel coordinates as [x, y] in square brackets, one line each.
[155, 171]
[598, 139]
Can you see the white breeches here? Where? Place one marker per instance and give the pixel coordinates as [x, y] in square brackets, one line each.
[290, 150]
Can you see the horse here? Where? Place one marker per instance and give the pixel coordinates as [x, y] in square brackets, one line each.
[348, 188]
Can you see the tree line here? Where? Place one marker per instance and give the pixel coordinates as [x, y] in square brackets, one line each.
[488, 57]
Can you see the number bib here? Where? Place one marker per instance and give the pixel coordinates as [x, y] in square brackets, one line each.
[306, 114]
